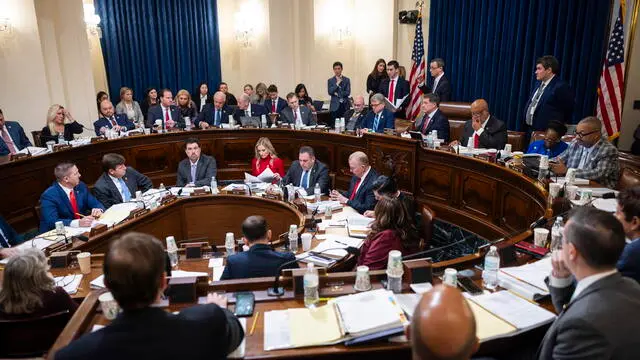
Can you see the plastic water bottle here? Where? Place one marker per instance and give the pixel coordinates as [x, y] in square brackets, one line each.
[491, 267]
[61, 139]
[214, 186]
[556, 234]
[172, 250]
[310, 281]
[293, 238]
[317, 192]
[263, 121]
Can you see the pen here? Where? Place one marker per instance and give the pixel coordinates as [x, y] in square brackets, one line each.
[78, 214]
[325, 299]
[255, 321]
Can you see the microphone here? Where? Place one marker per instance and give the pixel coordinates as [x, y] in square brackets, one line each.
[543, 220]
[248, 188]
[276, 290]
[425, 252]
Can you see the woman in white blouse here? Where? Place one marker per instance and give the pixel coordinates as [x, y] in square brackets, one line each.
[130, 107]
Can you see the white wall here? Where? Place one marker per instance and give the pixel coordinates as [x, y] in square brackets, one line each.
[631, 117]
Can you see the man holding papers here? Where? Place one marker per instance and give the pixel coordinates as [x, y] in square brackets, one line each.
[307, 171]
[395, 88]
[597, 306]
[360, 195]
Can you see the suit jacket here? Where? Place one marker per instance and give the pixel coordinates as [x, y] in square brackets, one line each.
[155, 113]
[230, 99]
[107, 193]
[257, 110]
[319, 174]
[339, 93]
[16, 132]
[597, 324]
[204, 171]
[197, 332]
[69, 130]
[443, 90]
[494, 135]
[12, 236]
[556, 103]
[280, 104]
[196, 100]
[629, 262]
[208, 115]
[387, 121]
[365, 198]
[401, 90]
[121, 119]
[355, 123]
[305, 114]
[55, 205]
[259, 261]
[439, 122]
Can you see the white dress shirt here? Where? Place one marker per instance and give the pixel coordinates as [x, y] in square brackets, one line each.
[582, 284]
[545, 83]
[586, 156]
[436, 81]
[67, 191]
[478, 132]
[248, 110]
[203, 101]
[298, 117]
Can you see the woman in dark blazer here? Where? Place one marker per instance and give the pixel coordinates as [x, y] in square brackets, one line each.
[59, 121]
[150, 99]
[303, 97]
[376, 76]
[202, 97]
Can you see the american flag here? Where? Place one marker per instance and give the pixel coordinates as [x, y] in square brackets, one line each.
[417, 71]
[611, 89]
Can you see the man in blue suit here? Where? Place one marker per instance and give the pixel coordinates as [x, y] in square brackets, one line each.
[12, 137]
[214, 114]
[339, 88]
[360, 195]
[168, 114]
[628, 213]
[110, 120]
[379, 118]
[395, 88]
[8, 238]
[432, 118]
[68, 200]
[551, 100]
[274, 104]
[260, 260]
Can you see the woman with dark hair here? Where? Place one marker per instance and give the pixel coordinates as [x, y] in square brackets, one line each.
[303, 96]
[385, 186]
[150, 99]
[392, 229]
[101, 96]
[378, 73]
[202, 98]
[552, 144]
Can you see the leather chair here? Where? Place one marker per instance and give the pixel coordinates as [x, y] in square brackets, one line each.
[516, 139]
[426, 231]
[36, 138]
[629, 177]
[458, 113]
[536, 135]
[31, 337]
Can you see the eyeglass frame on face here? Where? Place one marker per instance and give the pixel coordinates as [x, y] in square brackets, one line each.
[582, 135]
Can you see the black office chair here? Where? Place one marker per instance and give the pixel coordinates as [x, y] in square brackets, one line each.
[31, 337]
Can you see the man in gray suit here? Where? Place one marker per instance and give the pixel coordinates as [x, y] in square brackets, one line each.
[598, 308]
[197, 169]
[296, 114]
[307, 171]
[118, 183]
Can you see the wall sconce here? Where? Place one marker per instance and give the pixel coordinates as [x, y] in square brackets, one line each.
[341, 35]
[249, 22]
[244, 32]
[92, 20]
[5, 26]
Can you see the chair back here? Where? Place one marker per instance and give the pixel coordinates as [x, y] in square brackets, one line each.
[426, 231]
[536, 135]
[31, 337]
[629, 177]
[516, 139]
[36, 138]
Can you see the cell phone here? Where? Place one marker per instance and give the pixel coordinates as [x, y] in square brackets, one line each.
[244, 303]
[469, 286]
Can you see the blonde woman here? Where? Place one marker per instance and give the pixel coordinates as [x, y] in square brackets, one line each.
[186, 105]
[130, 107]
[261, 92]
[59, 122]
[266, 157]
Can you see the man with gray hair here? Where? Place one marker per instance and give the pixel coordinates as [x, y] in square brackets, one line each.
[68, 200]
[593, 157]
[380, 117]
[356, 115]
[214, 114]
[360, 195]
[247, 109]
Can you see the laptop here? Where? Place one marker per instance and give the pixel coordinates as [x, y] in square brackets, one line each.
[251, 121]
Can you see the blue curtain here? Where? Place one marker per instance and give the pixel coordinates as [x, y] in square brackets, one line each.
[490, 48]
[159, 43]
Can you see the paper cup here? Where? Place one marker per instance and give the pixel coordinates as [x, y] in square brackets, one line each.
[572, 190]
[306, 241]
[540, 236]
[109, 306]
[394, 263]
[84, 260]
[517, 157]
[554, 189]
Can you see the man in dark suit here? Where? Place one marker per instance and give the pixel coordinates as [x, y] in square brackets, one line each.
[628, 213]
[395, 88]
[274, 104]
[12, 137]
[355, 116]
[593, 299]
[339, 88]
[247, 109]
[110, 120]
[134, 273]
[260, 260]
[230, 99]
[306, 172]
[8, 238]
[296, 114]
[483, 130]
[196, 169]
[552, 99]
[360, 195]
[68, 200]
[165, 116]
[119, 182]
[214, 114]
[379, 118]
[432, 118]
[440, 84]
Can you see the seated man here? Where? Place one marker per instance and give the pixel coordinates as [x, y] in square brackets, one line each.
[552, 144]
[593, 157]
[118, 183]
[260, 260]
[165, 116]
[483, 131]
[230, 99]
[296, 114]
[12, 137]
[354, 117]
[8, 238]
[628, 213]
[593, 299]
[306, 172]
[432, 118]
[197, 169]
[247, 109]
[110, 120]
[214, 114]
[360, 195]
[379, 118]
[134, 272]
[68, 200]
[274, 104]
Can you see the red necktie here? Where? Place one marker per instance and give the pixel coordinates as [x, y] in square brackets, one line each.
[74, 204]
[166, 117]
[273, 106]
[476, 141]
[391, 91]
[113, 121]
[355, 188]
[295, 116]
[425, 124]
[7, 140]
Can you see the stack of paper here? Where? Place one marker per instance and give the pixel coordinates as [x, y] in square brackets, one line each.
[266, 176]
[69, 283]
[34, 151]
[359, 226]
[532, 274]
[518, 312]
[117, 213]
[322, 206]
[217, 268]
[98, 283]
[332, 248]
[576, 181]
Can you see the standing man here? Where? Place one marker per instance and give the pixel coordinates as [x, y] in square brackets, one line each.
[296, 114]
[355, 117]
[247, 109]
[307, 171]
[360, 195]
[552, 98]
[432, 118]
[13, 138]
[165, 114]
[196, 169]
[483, 130]
[379, 118]
[440, 85]
[395, 87]
[118, 183]
[339, 88]
[214, 114]
[110, 120]
[274, 103]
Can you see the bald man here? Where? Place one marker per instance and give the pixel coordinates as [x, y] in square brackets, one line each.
[483, 131]
[443, 326]
[360, 195]
[356, 115]
[216, 114]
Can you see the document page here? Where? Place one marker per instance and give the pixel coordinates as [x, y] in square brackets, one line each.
[532, 273]
[513, 309]
[488, 325]
[369, 312]
[276, 330]
[309, 327]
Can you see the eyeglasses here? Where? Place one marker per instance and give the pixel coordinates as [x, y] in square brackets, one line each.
[583, 134]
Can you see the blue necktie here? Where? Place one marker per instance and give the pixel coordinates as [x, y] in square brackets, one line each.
[305, 179]
[217, 121]
[126, 194]
[4, 242]
[193, 173]
[376, 122]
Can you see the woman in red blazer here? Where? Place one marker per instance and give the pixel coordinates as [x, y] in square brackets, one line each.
[266, 157]
[393, 229]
